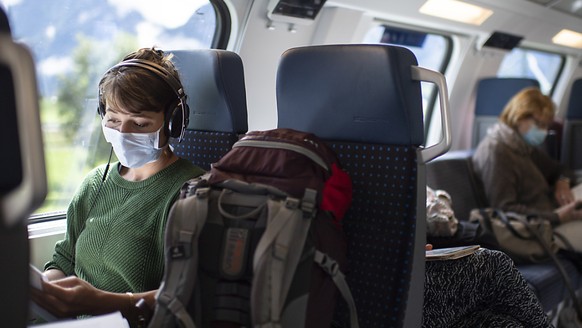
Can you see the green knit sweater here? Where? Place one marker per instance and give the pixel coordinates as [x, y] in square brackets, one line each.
[118, 245]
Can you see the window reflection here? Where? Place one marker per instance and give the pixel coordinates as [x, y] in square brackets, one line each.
[543, 66]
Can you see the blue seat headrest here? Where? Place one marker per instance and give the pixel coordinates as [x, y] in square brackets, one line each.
[214, 83]
[362, 93]
[575, 104]
[494, 93]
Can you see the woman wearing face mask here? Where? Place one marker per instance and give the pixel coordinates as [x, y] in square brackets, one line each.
[113, 251]
[516, 174]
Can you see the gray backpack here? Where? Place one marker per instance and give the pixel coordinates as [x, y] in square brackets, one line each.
[257, 242]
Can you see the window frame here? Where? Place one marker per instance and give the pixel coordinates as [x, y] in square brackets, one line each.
[223, 25]
[447, 56]
[434, 93]
[559, 72]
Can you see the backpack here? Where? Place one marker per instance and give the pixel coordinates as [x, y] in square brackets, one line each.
[257, 242]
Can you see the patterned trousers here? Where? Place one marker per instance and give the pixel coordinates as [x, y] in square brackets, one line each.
[481, 290]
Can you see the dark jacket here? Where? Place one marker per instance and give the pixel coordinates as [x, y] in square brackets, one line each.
[517, 177]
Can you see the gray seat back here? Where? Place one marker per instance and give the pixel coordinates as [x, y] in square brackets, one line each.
[453, 173]
[572, 137]
[365, 101]
[23, 184]
[492, 96]
[214, 83]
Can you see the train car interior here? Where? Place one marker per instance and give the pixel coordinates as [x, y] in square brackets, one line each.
[403, 91]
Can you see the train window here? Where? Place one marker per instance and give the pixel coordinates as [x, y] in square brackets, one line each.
[540, 65]
[432, 51]
[73, 43]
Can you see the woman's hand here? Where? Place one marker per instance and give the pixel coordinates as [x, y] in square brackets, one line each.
[54, 274]
[563, 193]
[71, 296]
[570, 212]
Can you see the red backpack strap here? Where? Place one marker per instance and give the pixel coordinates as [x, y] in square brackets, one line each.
[337, 193]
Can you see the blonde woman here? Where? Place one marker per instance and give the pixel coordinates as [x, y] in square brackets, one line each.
[516, 174]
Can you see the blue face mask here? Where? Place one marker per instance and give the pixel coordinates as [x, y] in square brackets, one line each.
[535, 136]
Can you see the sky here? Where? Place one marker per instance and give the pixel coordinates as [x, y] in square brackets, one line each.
[158, 15]
[163, 13]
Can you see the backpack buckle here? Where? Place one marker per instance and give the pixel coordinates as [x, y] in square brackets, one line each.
[328, 264]
[308, 203]
[291, 203]
[180, 251]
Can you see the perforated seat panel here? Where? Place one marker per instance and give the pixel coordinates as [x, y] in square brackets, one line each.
[379, 227]
[205, 147]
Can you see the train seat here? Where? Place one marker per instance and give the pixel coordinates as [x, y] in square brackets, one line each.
[23, 181]
[572, 137]
[370, 112]
[453, 173]
[492, 95]
[214, 83]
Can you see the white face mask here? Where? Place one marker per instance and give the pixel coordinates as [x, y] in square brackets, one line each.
[134, 149]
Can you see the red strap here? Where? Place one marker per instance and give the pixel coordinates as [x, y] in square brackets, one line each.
[337, 193]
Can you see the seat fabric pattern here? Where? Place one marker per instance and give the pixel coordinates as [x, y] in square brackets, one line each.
[204, 147]
[380, 229]
[547, 282]
[213, 80]
[364, 101]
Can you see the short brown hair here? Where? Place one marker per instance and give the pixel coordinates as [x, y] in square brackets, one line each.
[135, 89]
[527, 103]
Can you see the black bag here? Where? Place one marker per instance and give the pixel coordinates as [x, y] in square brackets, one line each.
[258, 242]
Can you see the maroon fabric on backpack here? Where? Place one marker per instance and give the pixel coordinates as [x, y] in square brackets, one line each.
[288, 170]
[258, 242]
[257, 158]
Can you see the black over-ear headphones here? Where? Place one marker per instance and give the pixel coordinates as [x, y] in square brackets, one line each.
[178, 117]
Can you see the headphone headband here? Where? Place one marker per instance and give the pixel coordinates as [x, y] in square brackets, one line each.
[156, 69]
[176, 120]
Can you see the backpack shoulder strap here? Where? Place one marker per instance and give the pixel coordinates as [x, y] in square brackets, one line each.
[186, 219]
[276, 257]
[331, 267]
